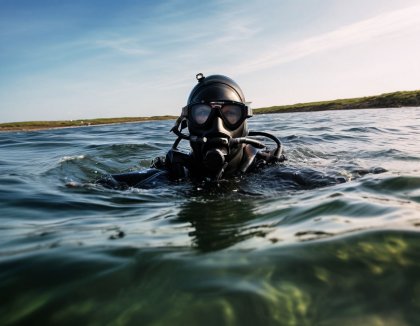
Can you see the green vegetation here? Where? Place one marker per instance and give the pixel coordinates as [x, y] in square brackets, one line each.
[388, 100]
[34, 125]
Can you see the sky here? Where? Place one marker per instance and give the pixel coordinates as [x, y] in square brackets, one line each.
[83, 59]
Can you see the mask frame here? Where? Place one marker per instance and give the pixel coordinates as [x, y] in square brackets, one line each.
[216, 109]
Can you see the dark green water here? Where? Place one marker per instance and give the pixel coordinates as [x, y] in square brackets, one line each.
[265, 250]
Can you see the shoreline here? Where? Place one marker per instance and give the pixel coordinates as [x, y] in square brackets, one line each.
[388, 100]
[61, 124]
[303, 110]
[382, 101]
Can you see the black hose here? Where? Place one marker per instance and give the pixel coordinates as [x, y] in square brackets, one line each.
[266, 134]
[245, 140]
[277, 153]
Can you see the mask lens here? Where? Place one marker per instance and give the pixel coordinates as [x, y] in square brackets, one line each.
[232, 113]
[200, 113]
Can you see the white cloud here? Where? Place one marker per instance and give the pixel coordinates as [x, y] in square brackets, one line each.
[127, 46]
[390, 24]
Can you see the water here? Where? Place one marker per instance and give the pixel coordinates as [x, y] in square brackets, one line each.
[266, 250]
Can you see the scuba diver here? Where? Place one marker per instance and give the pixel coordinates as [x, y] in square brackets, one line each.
[221, 145]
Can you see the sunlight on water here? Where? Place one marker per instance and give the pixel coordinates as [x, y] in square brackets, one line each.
[329, 238]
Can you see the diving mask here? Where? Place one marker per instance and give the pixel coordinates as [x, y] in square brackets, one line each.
[202, 114]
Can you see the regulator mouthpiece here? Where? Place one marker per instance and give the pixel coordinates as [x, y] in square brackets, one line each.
[214, 159]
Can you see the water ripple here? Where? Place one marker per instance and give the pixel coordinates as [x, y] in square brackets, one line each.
[312, 241]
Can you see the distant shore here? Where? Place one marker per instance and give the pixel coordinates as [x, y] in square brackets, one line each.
[387, 100]
[40, 125]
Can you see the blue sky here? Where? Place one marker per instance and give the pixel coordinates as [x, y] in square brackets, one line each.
[77, 59]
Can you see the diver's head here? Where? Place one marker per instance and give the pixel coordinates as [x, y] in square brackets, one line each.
[216, 113]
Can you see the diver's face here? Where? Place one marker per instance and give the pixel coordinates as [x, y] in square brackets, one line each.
[201, 115]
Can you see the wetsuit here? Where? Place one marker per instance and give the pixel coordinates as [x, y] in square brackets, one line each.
[179, 166]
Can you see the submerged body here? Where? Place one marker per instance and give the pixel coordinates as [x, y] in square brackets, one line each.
[179, 166]
[222, 147]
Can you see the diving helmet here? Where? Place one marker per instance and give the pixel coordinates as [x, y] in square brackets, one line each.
[215, 114]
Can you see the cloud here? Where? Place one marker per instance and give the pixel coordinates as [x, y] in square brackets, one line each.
[390, 24]
[128, 46]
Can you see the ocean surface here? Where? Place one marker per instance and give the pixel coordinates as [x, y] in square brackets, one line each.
[338, 244]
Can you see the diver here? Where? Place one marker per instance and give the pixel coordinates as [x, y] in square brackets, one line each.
[222, 147]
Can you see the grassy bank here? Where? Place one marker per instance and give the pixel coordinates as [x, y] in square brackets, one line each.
[36, 125]
[388, 100]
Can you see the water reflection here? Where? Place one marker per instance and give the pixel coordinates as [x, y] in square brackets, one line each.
[229, 213]
[219, 224]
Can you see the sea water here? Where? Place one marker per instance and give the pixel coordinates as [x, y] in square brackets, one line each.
[340, 246]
